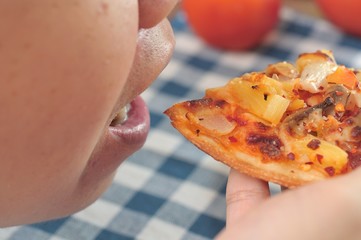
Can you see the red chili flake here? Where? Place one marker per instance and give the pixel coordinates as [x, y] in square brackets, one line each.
[314, 144]
[320, 87]
[319, 158]
[198, 131]
[265, 96]
[339, 93]
[309, 163]
[291, 156]
[254, 86]
[330, 171]
[232, 139]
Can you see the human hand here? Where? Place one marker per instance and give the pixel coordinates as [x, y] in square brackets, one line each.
[325, 210]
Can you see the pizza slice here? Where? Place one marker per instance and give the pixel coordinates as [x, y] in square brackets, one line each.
[290, 124]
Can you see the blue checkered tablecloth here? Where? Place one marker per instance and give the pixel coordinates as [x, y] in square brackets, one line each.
[171, 190]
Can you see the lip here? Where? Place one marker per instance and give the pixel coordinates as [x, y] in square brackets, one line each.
[135, 130]
[118, 143]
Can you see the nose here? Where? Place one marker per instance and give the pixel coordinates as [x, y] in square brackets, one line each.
[151, 12]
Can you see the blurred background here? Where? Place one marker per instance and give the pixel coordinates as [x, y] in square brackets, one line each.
[306, 6]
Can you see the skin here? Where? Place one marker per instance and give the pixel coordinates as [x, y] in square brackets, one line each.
[325, 210]
[63, 81]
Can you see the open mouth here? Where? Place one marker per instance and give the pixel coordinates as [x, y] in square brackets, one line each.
[131, 123]
[121, 117]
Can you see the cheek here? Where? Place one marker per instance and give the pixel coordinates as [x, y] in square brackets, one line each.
[62, 78]
[151, 12]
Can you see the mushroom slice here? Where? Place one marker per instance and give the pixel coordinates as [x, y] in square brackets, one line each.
[340, 95]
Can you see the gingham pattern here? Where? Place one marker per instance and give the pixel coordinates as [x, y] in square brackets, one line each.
[171, 190]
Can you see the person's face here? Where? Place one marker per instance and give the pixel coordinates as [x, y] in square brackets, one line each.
[66, 69]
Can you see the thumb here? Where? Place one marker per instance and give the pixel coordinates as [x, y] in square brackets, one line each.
[243, 193]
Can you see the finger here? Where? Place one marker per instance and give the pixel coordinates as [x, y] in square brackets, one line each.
[243, 193]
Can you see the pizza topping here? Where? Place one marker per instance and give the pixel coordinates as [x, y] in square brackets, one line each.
[232, 139]
[298, 124]
[313, 76]
[354, 160]
[217, 123]
[262, 127]
[318, 151]
[344, 76]
[268, 145]
[308, 100]
[309, 58]
[348, 121]
[208, 114]
[356, 133]
[255, 138]
[356, 98]
[220, 103]
[340, 98]
[314, 144]
[318, 118]
[291, 156]
[305, 167]
[199, 102]
[263, 101]
[319, 158]
[282, 71]
[330, 171]
[197, 132]
[270, 150]
[339, 108]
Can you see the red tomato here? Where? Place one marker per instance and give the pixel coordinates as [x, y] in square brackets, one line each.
[232, 24]
[343, 13]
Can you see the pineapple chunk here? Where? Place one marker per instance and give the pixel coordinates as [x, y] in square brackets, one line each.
[262, 96]
[325, 154]
[259, 101]
[276, 107]
[273, 85]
